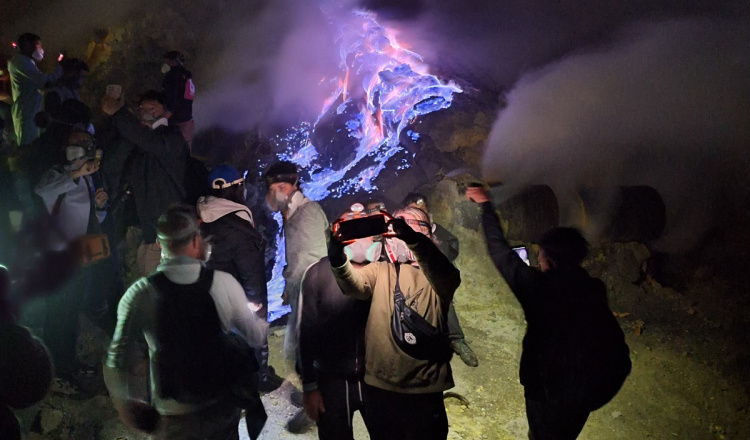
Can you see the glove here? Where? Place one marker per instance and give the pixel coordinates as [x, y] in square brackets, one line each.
[404, 231]
[336, 255]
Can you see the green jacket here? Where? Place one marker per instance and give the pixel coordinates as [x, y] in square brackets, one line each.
[429, 290]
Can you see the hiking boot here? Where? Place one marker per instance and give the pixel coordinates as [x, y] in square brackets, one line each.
[269, 381]
[300, 423]
[462, 349]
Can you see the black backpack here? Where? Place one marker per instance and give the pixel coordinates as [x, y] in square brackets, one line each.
[589, 359]
[197, 360]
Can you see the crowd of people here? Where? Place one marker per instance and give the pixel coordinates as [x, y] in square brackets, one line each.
[372, 326]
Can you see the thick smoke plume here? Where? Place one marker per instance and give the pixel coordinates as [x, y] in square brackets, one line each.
[666, 104]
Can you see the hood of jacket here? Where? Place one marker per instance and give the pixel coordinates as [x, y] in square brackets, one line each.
[212, 208]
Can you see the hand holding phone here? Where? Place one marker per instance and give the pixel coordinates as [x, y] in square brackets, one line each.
[349, 230]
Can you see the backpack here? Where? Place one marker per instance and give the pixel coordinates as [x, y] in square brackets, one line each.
[197, 361]
[189, 93]
[589, 358]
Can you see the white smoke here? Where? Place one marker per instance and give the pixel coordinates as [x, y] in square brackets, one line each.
[667, 104]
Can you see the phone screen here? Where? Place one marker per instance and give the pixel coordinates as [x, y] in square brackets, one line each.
[362, 227]
[523, 253]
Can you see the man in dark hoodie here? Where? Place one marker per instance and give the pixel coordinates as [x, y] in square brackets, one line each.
[574, 355]
[239, 249]
[157, 162]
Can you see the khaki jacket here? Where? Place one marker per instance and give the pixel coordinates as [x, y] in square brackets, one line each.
[428, 290]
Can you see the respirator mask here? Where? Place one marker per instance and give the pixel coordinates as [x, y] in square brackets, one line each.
[38, 54]
[165, 68]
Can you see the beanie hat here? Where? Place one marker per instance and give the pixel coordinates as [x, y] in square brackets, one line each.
[223, 176]
[283, 171]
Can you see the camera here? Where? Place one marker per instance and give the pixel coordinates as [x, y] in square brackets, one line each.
[361, 227]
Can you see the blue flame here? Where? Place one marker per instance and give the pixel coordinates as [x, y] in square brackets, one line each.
[382, 89]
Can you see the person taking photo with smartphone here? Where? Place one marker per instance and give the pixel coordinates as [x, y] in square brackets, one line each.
[406, 369]
[76, 208]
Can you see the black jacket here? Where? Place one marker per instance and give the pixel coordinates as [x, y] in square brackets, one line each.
[331, 328]
[157, 169]
[552, 302]
[174, 88]
[239, 249]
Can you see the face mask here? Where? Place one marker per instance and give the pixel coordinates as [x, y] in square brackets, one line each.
[271, 203]
[38, 54]
[147, 118]
[398, 252]
[282, 200]
[159, 122]
[165, 68]
[357, 251]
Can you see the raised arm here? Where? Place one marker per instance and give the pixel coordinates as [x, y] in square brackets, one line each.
[28, 69]
[521, 278]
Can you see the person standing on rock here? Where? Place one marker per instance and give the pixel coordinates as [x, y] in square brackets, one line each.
[574, 357]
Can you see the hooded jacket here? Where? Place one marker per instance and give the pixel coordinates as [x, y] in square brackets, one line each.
[237, 247]
[429, 290]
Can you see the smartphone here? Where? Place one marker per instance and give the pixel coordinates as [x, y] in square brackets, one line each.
[114, 91]
[362, 227]
[60, 57]
[523, 253]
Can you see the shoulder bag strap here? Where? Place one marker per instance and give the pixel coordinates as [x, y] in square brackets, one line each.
[397, 295]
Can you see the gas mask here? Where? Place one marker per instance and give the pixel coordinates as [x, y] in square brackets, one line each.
[364, 251]
[397, 251]
[165, 68]
[278, 201]
[38, 54]
[152, 121]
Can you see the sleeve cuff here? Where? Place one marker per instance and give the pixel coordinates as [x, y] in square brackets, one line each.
[309, 387]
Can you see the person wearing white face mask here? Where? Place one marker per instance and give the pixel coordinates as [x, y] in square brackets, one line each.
[26, 81]
[305, 232]
[76, 207]
[159, 174]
